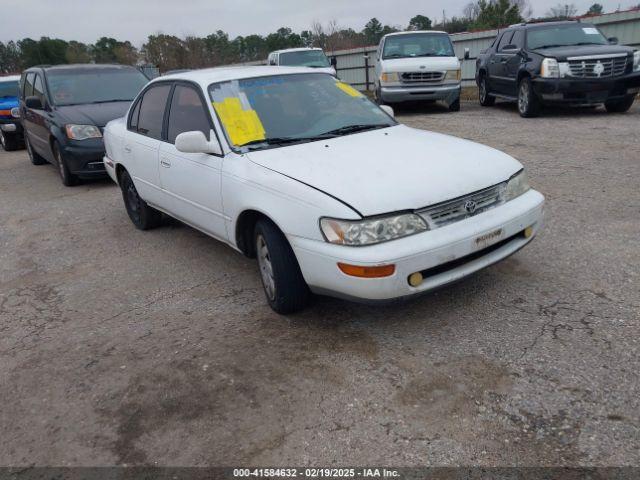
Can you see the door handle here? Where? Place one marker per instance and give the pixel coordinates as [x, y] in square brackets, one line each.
[165, 163]
[127, 149]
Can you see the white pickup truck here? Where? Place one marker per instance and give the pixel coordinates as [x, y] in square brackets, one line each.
[417, 65]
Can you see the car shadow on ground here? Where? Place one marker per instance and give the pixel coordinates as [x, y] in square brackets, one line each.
[555, 111]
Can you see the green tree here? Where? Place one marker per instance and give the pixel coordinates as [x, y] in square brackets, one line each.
[566, 10]
[496, 13]
[50, 51]
[10, 57]
[77, 52]
[373, 31]
[595, 9]
[167, 52]
[419, 22]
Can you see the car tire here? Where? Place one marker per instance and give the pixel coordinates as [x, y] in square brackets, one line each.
[35, 158]
[377, 96]
[68, 178]
[455, 105]
[282, 280]
[620, 106]
[484, 98]
[141, 214]
[9, 141]
[528, 103]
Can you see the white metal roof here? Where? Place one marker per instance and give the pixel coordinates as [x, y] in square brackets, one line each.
[299, 49]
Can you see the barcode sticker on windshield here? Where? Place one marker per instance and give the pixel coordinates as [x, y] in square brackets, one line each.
[591, 31]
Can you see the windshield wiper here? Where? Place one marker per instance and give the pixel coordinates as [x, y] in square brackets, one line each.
[286, 140]
[113, 100]
[588, 43]
[355, 128]
[549, 46]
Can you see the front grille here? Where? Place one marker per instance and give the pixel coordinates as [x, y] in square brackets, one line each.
[596, 67]
[463, 207]
[422, 77]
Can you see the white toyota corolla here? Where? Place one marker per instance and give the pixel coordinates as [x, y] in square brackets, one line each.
[325, 188]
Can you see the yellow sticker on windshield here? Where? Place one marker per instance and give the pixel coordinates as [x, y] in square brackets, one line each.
[243, 126]
[348, 89]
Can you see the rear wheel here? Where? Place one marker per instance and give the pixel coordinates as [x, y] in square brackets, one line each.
[33, 156]
[9, 141]
[620, 106]
[485, 99]
[283, 283]
[141, 214]
[68, 178]
[528, 103]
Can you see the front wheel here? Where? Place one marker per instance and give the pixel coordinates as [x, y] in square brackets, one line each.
[528, 103]
[8, 141]
[283, 283]
[620, 106]
[455, 105]
[141, 214]
[68, 178]
[33, 156]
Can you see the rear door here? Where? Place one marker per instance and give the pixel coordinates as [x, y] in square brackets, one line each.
[142, 142]
[497, 72]
[192, 180]
[513, 59]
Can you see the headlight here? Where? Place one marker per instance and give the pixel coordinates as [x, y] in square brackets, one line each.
[636, 61]
[82, 132]
[453, 75]
[371, 230]
[389, 77]
[15, 112]
[516, 186]
[550, 68]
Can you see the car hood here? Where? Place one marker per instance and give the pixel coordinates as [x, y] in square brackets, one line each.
[416, 64]
[391, 169]
[561, 53]
[98, 114]
[7, 103]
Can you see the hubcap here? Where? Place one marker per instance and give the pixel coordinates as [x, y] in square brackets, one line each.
[523, 99]
[132, 199]
[483, 90]
[1, 138]
[59, 160]
[266, 268]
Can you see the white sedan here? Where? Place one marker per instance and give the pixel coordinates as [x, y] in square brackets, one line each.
[325, 188]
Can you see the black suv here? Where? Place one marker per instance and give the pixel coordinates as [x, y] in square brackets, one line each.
[64, 110]
[568, 62]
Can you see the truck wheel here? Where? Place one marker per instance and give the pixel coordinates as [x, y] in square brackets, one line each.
[485, 99]
[455, 105]
[68, 178]
[141, 214]
[620, 106]
[283, 283]
[9, 141]
[528, 103]
[33, 156]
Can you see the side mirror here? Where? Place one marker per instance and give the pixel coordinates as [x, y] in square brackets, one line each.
[613, 40]
[388, 110]
[196, 142]
[467, 54]
[33, 103]
[334, 62]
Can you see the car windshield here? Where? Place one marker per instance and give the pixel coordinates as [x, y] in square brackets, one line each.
[304, 58]
[418, 45]
[564, 36]
[82, 86]
[272, 111]
[8, 89]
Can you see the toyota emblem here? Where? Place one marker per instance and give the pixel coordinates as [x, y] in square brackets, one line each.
[470, 206]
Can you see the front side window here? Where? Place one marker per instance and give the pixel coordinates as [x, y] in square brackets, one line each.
[505, 40]
[152, 109]
[187, 114]
[418, 45]
[28, 85]
[78, 86]
[38, 89]
[564, 35]
[9, 89]
[280, 109]
[304, 58]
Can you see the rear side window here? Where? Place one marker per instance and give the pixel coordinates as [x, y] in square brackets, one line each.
[505, 40]
[28, 85]
[38, 89]
[187, 113]
[152, 109]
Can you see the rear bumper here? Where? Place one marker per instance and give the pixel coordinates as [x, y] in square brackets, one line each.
[85, 161]
[443, 255]
[406, 93]
[586, 91]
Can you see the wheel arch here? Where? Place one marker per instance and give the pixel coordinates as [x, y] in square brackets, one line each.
[244, 227]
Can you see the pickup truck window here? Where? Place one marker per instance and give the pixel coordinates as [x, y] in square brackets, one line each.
[417, 45]
[304, 58]
[152, 111]
[564, 35]
[187, 114]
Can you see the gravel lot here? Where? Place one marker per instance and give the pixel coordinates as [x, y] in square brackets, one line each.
[126, 347]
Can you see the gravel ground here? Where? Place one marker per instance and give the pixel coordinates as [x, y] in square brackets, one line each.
[126, 347]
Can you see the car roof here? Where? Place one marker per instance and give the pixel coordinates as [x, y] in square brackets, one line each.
[10, 78]
[409, 32]
[207, 76]
[87, 66]
[300, 49]
[548, 24]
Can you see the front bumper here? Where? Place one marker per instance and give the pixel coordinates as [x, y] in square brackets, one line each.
[586, 91]
[12, 125]
[85, 159]
[444, 247]
[407, 93]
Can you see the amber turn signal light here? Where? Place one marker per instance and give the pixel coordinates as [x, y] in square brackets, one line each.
[367, 272]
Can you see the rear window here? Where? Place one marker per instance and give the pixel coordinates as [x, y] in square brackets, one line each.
[76, 86]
